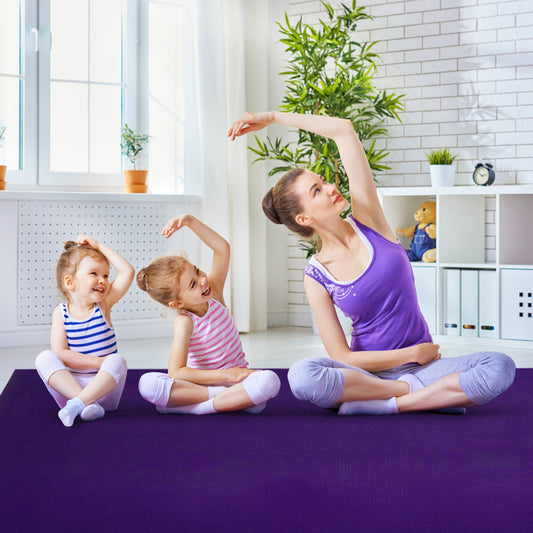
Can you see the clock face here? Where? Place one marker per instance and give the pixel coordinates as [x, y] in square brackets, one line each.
[481, 175]
[484, 174]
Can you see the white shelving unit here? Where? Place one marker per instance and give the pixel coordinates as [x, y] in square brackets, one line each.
[482, 282]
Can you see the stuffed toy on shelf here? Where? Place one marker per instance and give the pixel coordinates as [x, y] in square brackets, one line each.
[424, 234]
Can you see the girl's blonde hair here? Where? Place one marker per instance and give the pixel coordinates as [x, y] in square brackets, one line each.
[70, 260]
[160, 279]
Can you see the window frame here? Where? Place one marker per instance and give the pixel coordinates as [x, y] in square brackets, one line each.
[27, 174]
[35, 123]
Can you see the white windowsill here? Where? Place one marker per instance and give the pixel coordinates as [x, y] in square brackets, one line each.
[49, 195]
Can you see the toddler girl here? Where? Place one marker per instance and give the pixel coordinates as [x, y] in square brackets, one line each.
[207, 370]
[83, 371]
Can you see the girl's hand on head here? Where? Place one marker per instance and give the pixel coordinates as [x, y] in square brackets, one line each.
[235, 375]
[250, 122]
[87, 241]
[426, 352]
[176, 223]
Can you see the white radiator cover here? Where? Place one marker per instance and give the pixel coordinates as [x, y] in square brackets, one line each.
[131, 226]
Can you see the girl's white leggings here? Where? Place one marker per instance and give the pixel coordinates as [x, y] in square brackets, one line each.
[48, 363]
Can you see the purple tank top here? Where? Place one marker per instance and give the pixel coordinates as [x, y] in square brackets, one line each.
[382, 301]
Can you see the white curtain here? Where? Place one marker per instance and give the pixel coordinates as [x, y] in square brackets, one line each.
[230, 73]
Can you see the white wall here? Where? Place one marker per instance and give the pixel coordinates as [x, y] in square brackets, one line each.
[466, 69]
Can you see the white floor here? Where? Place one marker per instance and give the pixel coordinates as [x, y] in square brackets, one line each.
[274, 348]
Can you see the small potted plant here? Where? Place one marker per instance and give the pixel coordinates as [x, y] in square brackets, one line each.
[441, 167]
[132, 143]
[3, 168]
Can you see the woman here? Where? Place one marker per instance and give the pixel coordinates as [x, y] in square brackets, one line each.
[391, 365]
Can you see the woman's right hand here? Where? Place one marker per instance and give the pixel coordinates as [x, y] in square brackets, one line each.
[250, 122]
[426, 352]
[176, 223]
[235, 375]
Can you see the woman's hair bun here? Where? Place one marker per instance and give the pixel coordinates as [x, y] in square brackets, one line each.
[141, 280]
[269, 209]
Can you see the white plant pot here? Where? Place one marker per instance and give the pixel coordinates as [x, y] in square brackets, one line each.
[442, 175]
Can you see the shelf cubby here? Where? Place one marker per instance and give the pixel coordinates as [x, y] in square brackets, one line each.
[473, 224]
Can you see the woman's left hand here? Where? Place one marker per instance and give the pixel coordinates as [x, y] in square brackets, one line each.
[250, 122]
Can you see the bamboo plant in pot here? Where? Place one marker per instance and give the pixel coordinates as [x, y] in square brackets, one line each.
[441, 167]
[3, 168]
[132, 143]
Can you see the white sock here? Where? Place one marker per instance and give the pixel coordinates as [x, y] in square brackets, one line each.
[202, 408]
[413, 382]
[71, 410]
[369, 407]
[94, 411]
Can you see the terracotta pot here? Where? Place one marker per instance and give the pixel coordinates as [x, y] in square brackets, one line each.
[135, 181]
[3, 169]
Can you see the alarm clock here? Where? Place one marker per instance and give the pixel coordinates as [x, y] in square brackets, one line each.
[484, 174]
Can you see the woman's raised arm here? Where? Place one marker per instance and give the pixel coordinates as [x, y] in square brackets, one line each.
[365, 202]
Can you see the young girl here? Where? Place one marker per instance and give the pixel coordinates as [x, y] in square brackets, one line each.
[207, 370]
[83, 371]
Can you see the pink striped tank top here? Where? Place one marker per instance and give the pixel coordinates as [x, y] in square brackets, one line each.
[215, 341]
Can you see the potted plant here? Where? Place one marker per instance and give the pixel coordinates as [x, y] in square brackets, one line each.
[132, 143]
[441, 167]
[330, 72]
[3, 168]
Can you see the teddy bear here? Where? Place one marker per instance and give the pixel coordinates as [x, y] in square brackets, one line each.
[423, 242]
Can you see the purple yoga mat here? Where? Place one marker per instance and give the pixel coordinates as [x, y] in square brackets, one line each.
[292, 468]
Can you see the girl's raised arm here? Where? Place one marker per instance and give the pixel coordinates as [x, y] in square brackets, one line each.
[365, 202]
[217, 243]
[125, 272]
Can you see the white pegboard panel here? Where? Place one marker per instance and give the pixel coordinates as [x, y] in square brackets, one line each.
[131, 228]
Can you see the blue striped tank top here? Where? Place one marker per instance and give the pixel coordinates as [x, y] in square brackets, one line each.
[92, 336]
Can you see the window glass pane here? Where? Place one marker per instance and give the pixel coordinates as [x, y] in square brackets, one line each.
[167, 37]
[105, 128]
[106, 40]
[9, 36]
[10, 92]
[69, 25]
[11, 83]
[162, 150]
[69, 127]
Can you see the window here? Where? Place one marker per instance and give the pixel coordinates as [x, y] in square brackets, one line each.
[169, 66]
[72, 72]
[18, 69]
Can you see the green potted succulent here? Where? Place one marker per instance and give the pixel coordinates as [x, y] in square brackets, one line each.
[3, 168]
[441, 167]
[330, 72]
[132, 144]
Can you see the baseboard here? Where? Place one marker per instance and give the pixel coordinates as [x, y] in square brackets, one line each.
[276, 319]
[124, 329]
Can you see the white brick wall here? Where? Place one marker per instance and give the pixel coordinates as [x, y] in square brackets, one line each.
[466, 69]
